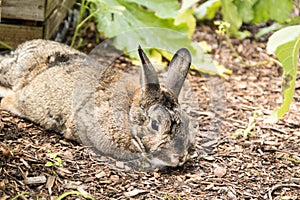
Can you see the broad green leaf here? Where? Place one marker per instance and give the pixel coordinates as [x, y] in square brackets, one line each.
[285, 43]
[167, 40]
[131, 25]
[208, 9]
[132, 17]
[186, 4]
[231, 15]
[270, 9]
[245, 9]
[281, 37]
[162, 9]
[187, 17]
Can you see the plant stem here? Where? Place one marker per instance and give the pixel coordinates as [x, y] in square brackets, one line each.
[236, 55]
[81, 13]
[19, 195]
[64, 195]
[80, 25]
[5, 45]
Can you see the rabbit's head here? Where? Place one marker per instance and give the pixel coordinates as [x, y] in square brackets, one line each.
[161, 131]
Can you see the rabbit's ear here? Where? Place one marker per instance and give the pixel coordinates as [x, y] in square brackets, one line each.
[149, 79]
[178, 69]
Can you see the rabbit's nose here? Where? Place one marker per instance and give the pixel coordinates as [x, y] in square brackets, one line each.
[174, 160]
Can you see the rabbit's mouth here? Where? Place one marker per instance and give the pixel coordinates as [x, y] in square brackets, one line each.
[165, 159]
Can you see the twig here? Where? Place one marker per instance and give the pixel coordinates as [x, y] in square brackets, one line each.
[279, 186]
[274, 129]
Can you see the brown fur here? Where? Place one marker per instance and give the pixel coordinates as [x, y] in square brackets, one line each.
[64, 90]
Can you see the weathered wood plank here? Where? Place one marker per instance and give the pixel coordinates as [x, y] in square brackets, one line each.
[50, 6]
[56, 18]
[0, 9]
[14, 35]
[68, 4]
[36, 22]
[20, 9]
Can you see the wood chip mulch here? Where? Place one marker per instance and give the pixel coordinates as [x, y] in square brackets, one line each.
[263, 165]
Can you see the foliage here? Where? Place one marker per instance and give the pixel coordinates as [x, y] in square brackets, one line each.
[20, 195]
[285, 44]
[208, 9]
[237, 12]
[57, 160]
[250, 126]
[161, 25]
[64, 195]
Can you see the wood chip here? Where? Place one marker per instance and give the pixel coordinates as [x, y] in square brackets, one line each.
[134, 192]
[35, 180]
[220, 171]
[50, 183]
[120, 164]
[101, 174]
[114, 178]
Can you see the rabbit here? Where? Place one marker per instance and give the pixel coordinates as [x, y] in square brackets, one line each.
[126, 116]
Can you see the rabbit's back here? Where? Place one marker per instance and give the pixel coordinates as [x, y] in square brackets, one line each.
[30, 59]
[42, 74]
[123, 115]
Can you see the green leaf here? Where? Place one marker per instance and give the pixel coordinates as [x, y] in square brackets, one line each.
[49, 164]
[132, 17]
[285, 43]
[187, 17]
[285, 35]
[58, 161]
[274, 27]
[245, 9]
[208, 9]
[133, 25]
[187, 4]
[231, 15]
[269, 9]
[162, 9]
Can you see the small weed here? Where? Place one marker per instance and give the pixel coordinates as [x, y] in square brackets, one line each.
[19, 195]
[57, 160]
[248, 130]
[64, 195]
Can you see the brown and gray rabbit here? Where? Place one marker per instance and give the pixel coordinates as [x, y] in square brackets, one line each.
[122, 115]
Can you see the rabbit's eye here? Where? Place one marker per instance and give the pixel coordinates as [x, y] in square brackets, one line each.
[154, 125]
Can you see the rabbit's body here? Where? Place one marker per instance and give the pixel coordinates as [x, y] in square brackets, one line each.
[64, 90]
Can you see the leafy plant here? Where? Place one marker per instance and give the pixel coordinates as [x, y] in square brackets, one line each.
[57, 160]
[64, 195]
[237, 12]
[161, 25]
[208, 9]
[20, 195]
[250, 126]
[285, 44]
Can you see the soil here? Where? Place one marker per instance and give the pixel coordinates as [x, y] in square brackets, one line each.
[262, 164]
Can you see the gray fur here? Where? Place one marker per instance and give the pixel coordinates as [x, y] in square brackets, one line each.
[64, 90]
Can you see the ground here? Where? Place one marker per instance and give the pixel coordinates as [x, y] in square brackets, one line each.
[265, 164]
